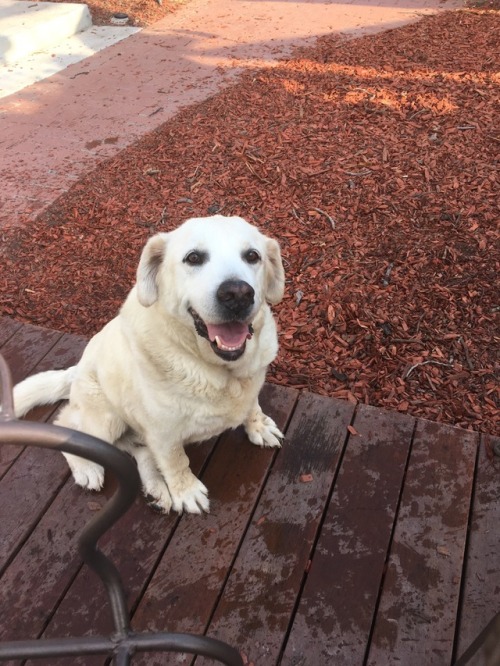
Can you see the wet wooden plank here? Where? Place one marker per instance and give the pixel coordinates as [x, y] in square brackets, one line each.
[31, 477]
[8, 327]
[26, 490]
[258, 600]
[419, 600]
[134, 544]
[231, 476]
[24, 350]
[203, 548]
[481, 592]
[66, 352]
[337, 607]
[416, 617]
[54, 351]
[38, 576]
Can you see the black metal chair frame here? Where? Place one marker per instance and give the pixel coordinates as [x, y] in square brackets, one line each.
[124, 642]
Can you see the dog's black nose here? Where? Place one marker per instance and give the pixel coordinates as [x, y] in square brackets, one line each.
[236, 295]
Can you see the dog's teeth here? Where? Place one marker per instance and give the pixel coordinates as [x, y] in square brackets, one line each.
[222, 346]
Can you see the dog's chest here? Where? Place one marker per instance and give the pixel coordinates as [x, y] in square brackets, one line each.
[199, 410]
[217, 409]
[213, 422]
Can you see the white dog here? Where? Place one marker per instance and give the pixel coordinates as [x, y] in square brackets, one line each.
[184, 360]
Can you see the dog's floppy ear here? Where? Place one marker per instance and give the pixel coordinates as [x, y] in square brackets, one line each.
[147, 271]
[275, 273]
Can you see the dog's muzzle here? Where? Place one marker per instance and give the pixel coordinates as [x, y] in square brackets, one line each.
[235, 300]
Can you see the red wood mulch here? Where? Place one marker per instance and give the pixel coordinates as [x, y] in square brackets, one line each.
[373, 161]
[140, 12]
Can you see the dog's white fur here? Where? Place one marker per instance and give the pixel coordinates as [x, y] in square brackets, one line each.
[149, 383]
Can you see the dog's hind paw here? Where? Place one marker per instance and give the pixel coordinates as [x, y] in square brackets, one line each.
[86, 473]
[263, 431]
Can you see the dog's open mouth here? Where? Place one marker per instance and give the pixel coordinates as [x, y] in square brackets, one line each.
[228, 340]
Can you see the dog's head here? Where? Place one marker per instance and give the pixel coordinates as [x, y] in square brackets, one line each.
[215, 274]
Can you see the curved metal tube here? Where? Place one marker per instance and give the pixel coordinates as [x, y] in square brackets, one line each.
[125, 642]
[133, 642]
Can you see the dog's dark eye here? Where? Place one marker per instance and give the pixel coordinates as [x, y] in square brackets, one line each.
[251, 256]
[195, 258]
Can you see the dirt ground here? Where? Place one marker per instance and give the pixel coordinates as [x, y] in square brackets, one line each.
[373, 161]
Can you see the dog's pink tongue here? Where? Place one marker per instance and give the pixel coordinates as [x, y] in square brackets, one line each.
[232, 334]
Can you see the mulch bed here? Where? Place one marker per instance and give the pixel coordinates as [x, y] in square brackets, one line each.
[140, 12]
[373, 161]
[145, 12]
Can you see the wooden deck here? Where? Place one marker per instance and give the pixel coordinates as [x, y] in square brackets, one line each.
[369, 538]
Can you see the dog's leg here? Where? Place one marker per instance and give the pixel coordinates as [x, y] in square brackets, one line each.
[153, 484]
[261, 429]
[154, 487]
[96, 422]
[187, 492]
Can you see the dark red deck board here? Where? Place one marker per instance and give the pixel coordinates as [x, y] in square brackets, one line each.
[29, 486]
[24, 350]
[65, 352]
[134, 544]
[23, 347]
[233, 468]
[416, 618]
[45, 565]
[8, 328]
[203, 549]
[25, 491]
[337, 607]
[243, 572]
[258, 600]
[481, 596]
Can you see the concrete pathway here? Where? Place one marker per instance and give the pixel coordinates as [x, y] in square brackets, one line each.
[55, 131]
[39, 39]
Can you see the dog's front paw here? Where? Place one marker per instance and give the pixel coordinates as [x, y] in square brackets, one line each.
[158, 496]
[189, 494]
[154, 488]
[263, 431]
[86, 473]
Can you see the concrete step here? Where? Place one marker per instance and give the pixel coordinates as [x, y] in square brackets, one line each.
[38, 39]
[27, 27]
